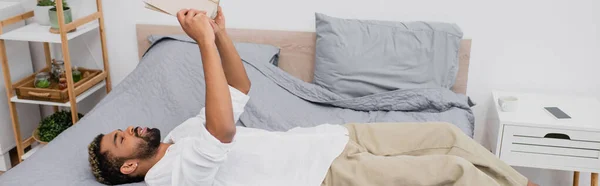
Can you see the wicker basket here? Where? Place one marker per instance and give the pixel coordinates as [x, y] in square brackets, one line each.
[25, 88]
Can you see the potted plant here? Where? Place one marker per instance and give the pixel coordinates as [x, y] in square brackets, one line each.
[54, 15]
[52, 126]
[41, 12]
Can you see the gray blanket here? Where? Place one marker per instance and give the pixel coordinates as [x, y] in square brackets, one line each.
[167, 87]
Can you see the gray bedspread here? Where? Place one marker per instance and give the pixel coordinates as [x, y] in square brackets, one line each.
[167, 87]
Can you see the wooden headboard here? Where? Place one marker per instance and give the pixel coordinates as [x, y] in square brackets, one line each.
[297, 55]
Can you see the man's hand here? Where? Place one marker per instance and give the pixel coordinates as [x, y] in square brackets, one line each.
[197, 25]
[219, 23]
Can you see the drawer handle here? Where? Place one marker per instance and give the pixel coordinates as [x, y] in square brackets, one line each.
[39, 94]
[557, 136]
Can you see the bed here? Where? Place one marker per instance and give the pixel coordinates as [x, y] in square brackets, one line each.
[160, 93]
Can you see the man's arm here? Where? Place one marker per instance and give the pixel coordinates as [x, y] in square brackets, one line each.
[231, 61]
[219, 111]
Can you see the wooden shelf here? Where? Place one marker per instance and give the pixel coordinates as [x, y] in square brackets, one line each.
[38, 33]
[83, 95]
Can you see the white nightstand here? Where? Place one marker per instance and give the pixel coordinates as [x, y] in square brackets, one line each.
[532, 137]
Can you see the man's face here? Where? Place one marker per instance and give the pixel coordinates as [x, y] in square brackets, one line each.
[132, 143]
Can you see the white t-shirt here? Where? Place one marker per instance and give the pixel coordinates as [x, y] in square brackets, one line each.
[298, 157]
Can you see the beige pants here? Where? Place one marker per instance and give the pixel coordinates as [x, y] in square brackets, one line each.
[414, 154]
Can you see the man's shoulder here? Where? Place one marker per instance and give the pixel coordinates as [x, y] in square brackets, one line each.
[190, 127]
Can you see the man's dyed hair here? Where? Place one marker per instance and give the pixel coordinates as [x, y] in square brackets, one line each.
[106, 168]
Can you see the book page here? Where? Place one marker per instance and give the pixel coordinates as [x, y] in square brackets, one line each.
[171, 7]
[150, 7]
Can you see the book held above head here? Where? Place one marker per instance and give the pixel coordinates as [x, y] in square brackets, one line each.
[171, 7]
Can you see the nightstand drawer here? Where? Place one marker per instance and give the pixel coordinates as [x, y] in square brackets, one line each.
[550, 148]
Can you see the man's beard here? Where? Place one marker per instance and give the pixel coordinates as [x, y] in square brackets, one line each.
[149, 146]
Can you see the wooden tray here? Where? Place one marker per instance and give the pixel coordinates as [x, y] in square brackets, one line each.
[26, 90]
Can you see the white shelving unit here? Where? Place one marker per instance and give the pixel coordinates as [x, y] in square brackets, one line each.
[21, 65]
[38, 33]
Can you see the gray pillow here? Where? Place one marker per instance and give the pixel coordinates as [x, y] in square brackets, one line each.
[356, 58]
[258, 52]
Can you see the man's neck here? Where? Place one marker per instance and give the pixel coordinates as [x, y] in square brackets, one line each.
[148, 164]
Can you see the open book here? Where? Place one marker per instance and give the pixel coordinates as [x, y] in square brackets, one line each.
[171, 7]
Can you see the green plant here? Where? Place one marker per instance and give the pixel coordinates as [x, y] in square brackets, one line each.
[45, 3]
[42, 84]
[65, 6]
[53, 125]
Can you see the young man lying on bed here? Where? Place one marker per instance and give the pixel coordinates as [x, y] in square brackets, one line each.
[210, 150]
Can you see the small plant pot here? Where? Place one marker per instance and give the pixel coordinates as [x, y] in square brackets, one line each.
[52, 126]
[36, 137]
[41, 15]
[54, 17]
